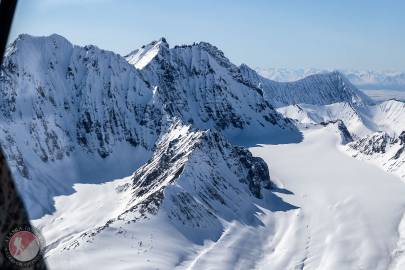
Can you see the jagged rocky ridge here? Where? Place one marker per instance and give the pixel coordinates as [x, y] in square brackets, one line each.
[317, 89]
[196, 179]
[382, 149]
[204, 88]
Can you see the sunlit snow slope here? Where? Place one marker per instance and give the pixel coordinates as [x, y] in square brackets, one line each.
[348, 217]
[350, 211]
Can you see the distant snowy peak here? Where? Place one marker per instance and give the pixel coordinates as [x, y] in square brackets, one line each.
[377, 80]
[288, 75]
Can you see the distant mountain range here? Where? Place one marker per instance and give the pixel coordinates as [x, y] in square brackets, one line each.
[363, 79]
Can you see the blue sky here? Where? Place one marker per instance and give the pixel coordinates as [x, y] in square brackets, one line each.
[355, 34]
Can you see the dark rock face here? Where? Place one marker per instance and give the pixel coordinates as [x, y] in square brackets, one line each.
[389, 151]
[376, 143]
[401, 139]
[380, 143]
[399, 153]
[344, 132]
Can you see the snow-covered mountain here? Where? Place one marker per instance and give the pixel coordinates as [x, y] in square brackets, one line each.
[318, 89]
[141, 161]
[288, 74]
[72, 109]
[204, 88]
[65, 111]
[364, 79]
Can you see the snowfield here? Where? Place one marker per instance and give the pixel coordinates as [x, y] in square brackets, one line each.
[350, 211]
[341, 213]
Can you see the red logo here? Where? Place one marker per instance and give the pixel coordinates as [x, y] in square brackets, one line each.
[24, 246]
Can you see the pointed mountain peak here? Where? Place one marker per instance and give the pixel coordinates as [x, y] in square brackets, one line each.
[142, 57]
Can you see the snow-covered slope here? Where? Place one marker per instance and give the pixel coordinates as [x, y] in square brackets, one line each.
[361, 121]
[389, 116]
[305, 114]
[376, 129]
[350, 211]
[190, 191]
[348, 216]
[317, 89]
